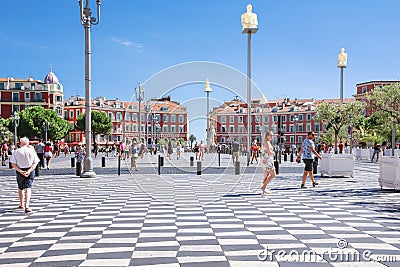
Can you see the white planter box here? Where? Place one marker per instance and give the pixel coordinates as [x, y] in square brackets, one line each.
[389, 172]
[337, 165]
[364, 153]
[388, 152]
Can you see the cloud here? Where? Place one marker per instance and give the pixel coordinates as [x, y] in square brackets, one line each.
[126, 42]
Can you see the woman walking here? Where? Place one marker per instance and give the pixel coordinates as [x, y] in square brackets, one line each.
[268, 162]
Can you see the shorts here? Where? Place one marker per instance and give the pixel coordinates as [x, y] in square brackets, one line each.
[235, 156]
[48, 154]
[25, 182]
[309, 164]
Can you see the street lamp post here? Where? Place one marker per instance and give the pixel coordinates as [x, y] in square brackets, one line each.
[147, 108]
[139, 92]
[15, 119]
[87, 21]
[342, 63]
[350, 133]
[208, 90]
[249, 26]
[295, 119]
[46, 125]
[263, 101]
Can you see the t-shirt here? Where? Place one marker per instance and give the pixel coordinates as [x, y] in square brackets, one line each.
[39, 147]
[24, 157]
[235, 146]
[306, 149]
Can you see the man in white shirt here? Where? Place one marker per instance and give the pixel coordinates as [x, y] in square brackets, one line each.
[24, 161]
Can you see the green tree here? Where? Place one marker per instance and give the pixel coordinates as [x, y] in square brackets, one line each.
[192, 139]
[100, 122]
[31, 124]
[339, 116]
[6, 134]
[384, 101]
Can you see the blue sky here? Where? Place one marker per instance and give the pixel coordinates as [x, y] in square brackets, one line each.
[294, 53]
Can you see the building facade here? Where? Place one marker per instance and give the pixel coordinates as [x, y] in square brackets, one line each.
[160, 119]
[290, 120]
[17, 94]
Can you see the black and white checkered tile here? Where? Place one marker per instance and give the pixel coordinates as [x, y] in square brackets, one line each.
[207, 220]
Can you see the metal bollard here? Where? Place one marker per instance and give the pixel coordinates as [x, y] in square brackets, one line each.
[78, 168]
[199, 168]
[315, 166]
[103, 162]
[37, 172]
[237, 167]
[72, 162]
[284, 156]
[219, 158]
[119, 165]
[276, 164]
[160, 163]
[291, 156]
[280, 157]
[191, 161]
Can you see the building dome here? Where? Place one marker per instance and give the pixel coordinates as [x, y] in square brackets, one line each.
[51, 78]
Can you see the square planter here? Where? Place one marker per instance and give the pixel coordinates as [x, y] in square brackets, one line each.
[337, 165]
[389, 172]
[364, 153]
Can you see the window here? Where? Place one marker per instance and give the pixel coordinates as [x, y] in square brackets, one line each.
[300, 139]
[78, 137]
[283, 118]
[316, 128]
[308, 127]
[180, 128]
[240, 119]
[15, 97]
[119, 138]
[173, 128]
[37, 97]
[266, 128]
[134, 128]
[364, 89]
[165, 117]
[258, 130]
[223, 119]
[222, 140]
[1, 86]
[300, 128]
[27, 96]
[111, 115]
[119, 116]
[142, 128]
[127, 127]
[257, 118]
[266, 119]
[71, 114]
[59, 98]
[15, 108]
[65, 115]
[284, 128]
[18, 85]
[231, 129]
[300, 117]
[78, 112]
[134, 117]
[231, 119]
[291, 139]
[181, 118]
[275, 118]
[241, 129]
[223, 129]
[142, 117]
[165, 128]
[127, 116]
[308, 117]
[59, 111]
[173, 118]
[292, 128]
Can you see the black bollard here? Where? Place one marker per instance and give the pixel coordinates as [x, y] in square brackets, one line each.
[160, 163]
[276, 164]
[291, 156]
[237, 167]
[219, 158]
[284, 156]
[9, 164]
[78, 168]
[72, 162]
[37, 172]
[191, 161]
[119, 165]
[280, 157]
[103, 162]
[315, 166]
[199, 168]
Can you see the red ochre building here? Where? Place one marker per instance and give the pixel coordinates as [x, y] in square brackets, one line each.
[17, 94]
[296, 118]
[166, 120]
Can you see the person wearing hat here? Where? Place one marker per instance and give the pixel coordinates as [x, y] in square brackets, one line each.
[307, 150]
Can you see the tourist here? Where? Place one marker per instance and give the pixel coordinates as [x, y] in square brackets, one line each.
[268, 161]
[307, 150]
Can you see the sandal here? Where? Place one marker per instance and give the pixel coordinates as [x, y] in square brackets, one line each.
[28, 210]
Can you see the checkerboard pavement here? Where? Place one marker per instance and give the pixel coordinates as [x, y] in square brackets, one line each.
[208, 220]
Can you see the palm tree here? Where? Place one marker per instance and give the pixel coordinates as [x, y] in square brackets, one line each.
[192, 138]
